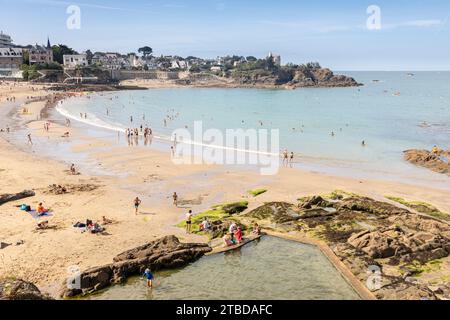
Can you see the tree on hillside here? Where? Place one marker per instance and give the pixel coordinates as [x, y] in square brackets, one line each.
[60, 50]
[89, 56]
[251, 59]
[146, 51]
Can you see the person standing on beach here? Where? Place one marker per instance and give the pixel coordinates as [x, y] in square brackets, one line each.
[291, 158]
[188, 221]
[175, 199]
[29, 139]
[137, 203]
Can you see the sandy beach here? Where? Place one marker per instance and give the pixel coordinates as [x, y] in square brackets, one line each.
[43, 257]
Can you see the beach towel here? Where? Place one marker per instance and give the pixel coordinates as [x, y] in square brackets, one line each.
[35, 215]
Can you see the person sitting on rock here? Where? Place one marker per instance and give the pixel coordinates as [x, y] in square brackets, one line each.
[256, 229]
[227, 240]
[435, 150]
[205, 225]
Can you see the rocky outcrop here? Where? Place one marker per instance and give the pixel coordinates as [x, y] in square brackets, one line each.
[400, 245]
[16, 289]
[164, 253]
[4, 198]
[438, 162]
[299, 77]
[321, 78]
[363, 233]
[278, 212]
[369, 206]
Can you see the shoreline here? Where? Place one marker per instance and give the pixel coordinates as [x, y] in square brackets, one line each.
[30, 170]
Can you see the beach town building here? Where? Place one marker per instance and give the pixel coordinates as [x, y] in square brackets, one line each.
[72, 61]
[109, 60]
[179, 64]
[40, 54]
[134, 61]
[275, 58]
[5, 40]
[216, 68]
[10, 61]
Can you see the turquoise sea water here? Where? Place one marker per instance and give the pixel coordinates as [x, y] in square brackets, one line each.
[395, 113]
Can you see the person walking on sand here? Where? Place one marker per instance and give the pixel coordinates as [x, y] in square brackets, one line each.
[29, 139]
[285, 157]
[188, 221]
[175, 199]
[137, 203]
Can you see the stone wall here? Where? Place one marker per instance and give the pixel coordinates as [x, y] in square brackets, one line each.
[150, 75]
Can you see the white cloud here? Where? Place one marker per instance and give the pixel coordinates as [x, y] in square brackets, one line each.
[307, 26]
[415, 24]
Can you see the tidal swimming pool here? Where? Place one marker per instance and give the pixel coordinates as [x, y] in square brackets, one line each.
[270, 268]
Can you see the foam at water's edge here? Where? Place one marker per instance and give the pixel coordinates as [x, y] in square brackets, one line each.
[96, 122]
[93, 120]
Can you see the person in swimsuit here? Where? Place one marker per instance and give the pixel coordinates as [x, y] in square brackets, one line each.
[188, 221]
[285, 157]
[41, 210]
[175, 199]
[137, 202]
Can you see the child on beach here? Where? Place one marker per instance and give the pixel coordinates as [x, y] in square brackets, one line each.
[149, 276]
[137, 203]
[238, 235]
[256, 229]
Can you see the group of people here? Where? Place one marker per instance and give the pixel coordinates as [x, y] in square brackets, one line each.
[91, 226]
[132, 135]
[288, 158]
[234, 236]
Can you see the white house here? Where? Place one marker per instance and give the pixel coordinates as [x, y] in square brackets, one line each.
[75, 60]
[216, 68]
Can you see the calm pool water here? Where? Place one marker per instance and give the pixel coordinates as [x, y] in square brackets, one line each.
[271, 268]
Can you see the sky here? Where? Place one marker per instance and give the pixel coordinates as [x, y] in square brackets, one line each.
[414, 35]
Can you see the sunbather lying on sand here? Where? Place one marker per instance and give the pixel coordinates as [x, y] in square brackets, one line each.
[42, 225]
[107, 221]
